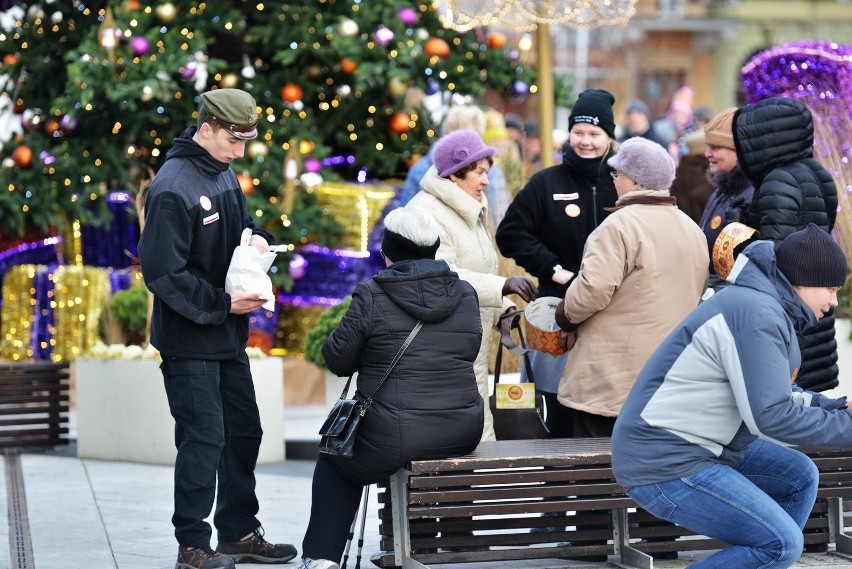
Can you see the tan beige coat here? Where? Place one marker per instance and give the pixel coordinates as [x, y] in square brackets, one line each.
[643, 270]
[467, 247]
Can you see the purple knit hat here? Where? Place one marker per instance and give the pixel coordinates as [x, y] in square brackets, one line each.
[458, 149]
[646, 162]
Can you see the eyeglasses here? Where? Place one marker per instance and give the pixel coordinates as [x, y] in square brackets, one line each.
[614, 175]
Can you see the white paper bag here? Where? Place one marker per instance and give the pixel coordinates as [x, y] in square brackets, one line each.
[247, 271]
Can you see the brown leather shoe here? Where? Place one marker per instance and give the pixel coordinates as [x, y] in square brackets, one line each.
[255, 549]
[202, 558]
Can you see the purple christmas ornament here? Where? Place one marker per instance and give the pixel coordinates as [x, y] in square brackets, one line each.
[408, 16]
[140, 45]
[383, 36]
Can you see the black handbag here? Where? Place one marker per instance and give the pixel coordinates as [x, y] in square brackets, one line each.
[516, 423]
[340, 429]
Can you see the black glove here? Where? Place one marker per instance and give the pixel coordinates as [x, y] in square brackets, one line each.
[521, 286]
[737, 211]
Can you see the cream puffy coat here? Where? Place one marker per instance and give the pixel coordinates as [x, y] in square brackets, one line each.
[467, 247]
[643, 270]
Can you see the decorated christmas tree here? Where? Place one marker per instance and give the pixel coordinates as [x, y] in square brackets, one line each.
[92, 95]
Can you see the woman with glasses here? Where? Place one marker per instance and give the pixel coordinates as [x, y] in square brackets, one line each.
[644, 269]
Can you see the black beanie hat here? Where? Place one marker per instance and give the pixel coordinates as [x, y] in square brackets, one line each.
[594, 106]
[810, 257]
[398, 248]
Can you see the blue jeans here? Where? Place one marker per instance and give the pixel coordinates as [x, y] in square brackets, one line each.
[759, 506]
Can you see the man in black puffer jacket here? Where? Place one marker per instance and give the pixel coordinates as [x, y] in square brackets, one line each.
[774, 141]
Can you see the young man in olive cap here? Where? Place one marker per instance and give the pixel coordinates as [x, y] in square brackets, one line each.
[195, 213]
[697, 441]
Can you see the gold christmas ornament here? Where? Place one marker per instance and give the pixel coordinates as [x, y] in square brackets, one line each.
[166, 12]
[397, 87]
[257, 149]
[229, 81]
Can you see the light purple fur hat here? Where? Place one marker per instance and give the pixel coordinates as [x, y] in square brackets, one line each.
[458, 149]
[646, 162]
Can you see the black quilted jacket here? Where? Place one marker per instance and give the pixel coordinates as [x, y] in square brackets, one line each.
[774, 141]
[430, 406]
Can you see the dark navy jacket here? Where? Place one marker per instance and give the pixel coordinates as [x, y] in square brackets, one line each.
[195, 213]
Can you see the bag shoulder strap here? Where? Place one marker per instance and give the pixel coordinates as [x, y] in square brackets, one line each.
[508, 322]
[393, 363]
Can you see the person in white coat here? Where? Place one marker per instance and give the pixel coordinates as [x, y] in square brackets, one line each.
[453, 190]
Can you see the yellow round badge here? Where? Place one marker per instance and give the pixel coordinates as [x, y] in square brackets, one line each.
[572, 210]
[715, 222]
[515, 392]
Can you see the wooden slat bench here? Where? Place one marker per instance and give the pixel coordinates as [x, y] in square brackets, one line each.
[494, 496]
[33, 404]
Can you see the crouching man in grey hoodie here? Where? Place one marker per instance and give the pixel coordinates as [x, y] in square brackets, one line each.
[699, 439]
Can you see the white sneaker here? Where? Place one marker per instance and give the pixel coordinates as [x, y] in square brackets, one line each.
[308, 563]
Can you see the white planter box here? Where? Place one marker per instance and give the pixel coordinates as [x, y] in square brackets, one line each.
[123, 413]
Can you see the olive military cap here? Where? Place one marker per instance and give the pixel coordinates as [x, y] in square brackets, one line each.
[234, 110]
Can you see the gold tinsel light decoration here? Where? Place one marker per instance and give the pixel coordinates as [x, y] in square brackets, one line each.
[357, 207]
[17, 312]
[81, 295]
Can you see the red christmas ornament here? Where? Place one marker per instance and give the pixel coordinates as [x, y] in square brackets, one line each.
[347, 65]
[23, 156]
[399, 123]
[51, 127]
[246, 183]
[10, 59]
[496, 40]
[436, 47]
[291, 93]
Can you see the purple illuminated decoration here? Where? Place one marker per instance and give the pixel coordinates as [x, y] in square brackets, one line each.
[112, 244]
[334, 274]
[44, 252]
[43, 316]
[819, 74]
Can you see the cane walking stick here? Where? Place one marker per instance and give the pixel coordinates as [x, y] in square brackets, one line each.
[349, 541]
[363, 523]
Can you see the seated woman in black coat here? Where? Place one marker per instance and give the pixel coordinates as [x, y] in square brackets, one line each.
[429, 407]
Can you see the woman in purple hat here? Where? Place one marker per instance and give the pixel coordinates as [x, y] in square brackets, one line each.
[453, 191]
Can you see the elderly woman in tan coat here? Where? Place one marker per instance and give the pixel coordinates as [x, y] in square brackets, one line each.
[643, 270]
[453, 191]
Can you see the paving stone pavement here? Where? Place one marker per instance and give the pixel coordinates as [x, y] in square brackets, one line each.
[93, 514]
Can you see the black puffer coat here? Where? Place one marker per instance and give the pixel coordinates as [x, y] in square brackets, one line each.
[429, 407]
[774, 141]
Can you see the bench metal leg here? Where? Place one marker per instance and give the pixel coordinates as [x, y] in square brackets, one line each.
[630, 556]
[837, 531]
[401, 529]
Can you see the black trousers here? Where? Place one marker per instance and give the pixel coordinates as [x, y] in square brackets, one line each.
[560, 419]
[217, 433]
[335, 497]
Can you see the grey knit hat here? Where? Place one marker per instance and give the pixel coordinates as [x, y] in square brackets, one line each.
[810, 257]
[646, 162]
